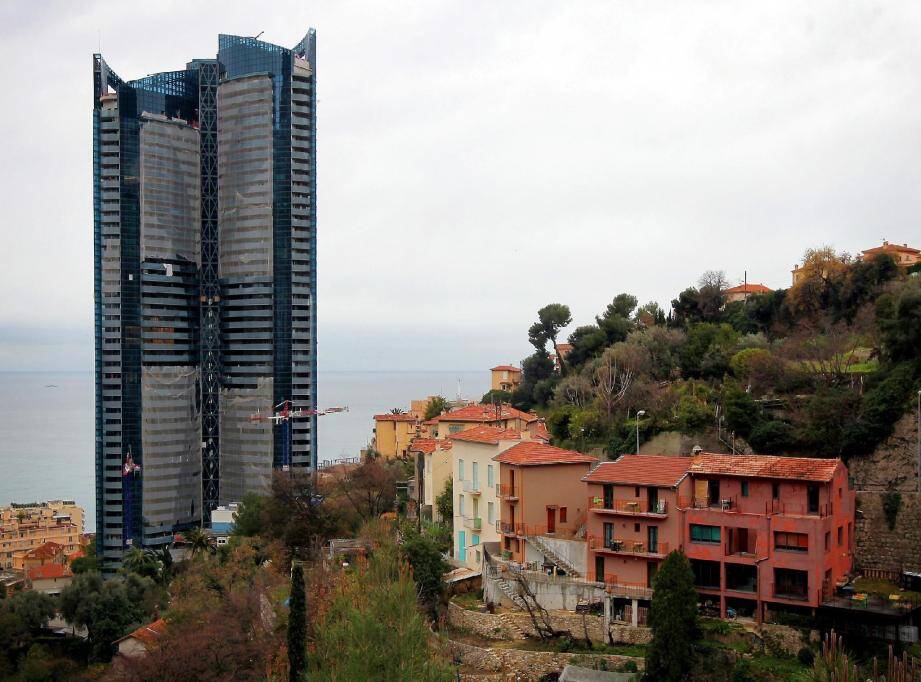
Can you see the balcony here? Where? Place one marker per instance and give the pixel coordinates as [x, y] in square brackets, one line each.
[472, 487]
[620, 588]
[473, 522]
[721, 504]
[505, 528]
[507, 492]
[627, 547]
[795, 591]
[628, 507]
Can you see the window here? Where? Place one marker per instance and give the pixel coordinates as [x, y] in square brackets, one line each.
[744, 488]
[476, 472]
[562, 514]
[474, 539]
[490, 477]
[812, 498]
[704, 533]
[791, 542]
[460, 469]
[775, 490]
[840, 535]
[636, 528]
[460, 504]
[827, 541]
[455, 428]
[490, 513]
[637, 492]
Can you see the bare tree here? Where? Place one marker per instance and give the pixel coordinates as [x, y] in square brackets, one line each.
[713, 279]
[613, 374]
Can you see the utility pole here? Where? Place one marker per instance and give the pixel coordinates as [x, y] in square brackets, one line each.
[638, 415]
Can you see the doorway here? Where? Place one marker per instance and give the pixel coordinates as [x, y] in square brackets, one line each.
[551, 519]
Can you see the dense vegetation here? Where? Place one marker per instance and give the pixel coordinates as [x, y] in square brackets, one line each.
[824, 368]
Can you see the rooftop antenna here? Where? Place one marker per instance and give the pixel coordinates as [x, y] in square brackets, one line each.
[458, 389]
[99, 40]
[256, 37]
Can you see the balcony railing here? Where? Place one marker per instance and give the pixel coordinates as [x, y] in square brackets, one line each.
[473, 522]
[735, 504]
[722, 504]
[507, 491]
[618, 546]
[472, 487]
[505, 527]
[616, 586]
[629, 507]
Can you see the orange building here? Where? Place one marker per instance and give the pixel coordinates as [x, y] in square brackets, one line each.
[540, 494]
[504, 417]
[25, 527]
[743, 291]
[902, 254]
[634, 519]
[505, 378]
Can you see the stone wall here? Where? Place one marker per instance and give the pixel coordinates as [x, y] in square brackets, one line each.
[781, 639]
[894, 464]
[877, 547]
[518, 625]
[532, 665]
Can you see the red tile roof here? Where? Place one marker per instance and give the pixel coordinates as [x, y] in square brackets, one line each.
[505, 368]
[486, 434]
[748, 289]
[535, 453]
[765, 466]
[484, 414]
[49, 550]
[147, 634]
[426, 445]
[405, 417]
[651, 470]
[540, 431]
[49, 571]
[889, 248]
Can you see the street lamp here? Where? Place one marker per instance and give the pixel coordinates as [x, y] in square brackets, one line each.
[642, 412]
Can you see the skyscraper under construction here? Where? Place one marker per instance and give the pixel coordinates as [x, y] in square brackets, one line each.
[204, 202]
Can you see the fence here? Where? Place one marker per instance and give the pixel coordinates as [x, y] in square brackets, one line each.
[596, 542]
[627, 506]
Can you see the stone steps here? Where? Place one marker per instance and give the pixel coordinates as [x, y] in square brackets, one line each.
[545, 549]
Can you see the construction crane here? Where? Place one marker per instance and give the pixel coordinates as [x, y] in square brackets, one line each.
[282, 415]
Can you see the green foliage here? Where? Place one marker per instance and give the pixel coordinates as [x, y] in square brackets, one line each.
[247, 521]
[537, 371]
[833, 665]
[892, 502]
[772, 436]
[740, 410]
[741, 671]
[444, 502]
[373, 629]
[436, 406]
[494, 396]
[423, 554]
[34, 609]
[883, 402]
[84, 564]
[707, 350]
[551, 320]
[587, 342]
[694, 411]
[615, 322]
[673, 619]
[826, 410]
[297, 624]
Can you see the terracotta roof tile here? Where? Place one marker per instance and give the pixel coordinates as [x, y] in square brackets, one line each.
[535, 453]
[540, 431]
[49, 571]
[426, 445]
[486, 434]
[505, 368]
[886, 247]
[652, 470]
[748, 289]
[405, 417]
[49, 550]
[765, 466]
[147, 634]
[484, 414]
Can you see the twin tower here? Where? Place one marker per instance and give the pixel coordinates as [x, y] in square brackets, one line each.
[204, 223]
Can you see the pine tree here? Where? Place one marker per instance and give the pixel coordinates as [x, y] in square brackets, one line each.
[673, 619]
[297, 617]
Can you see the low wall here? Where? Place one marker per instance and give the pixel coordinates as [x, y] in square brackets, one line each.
[533, 665]
[552, 592]
[876, 546]
[518, 625]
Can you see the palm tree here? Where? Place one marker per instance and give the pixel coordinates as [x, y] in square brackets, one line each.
[199, 541]
[137, 560]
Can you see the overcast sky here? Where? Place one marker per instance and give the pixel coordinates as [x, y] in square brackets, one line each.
[480, 159]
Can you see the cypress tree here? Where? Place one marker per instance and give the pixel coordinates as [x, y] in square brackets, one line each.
[673, 619]
[297, 625]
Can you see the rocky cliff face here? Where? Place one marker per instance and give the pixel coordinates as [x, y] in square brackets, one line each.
[894, 464]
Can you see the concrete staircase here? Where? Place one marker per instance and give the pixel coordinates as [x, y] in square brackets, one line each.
[544, 548]
[508, 588]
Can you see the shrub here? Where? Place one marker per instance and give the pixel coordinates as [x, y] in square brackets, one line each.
[772, 436]
[892, 501]
[629, 667]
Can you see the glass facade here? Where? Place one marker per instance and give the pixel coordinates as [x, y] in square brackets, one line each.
[204, 226]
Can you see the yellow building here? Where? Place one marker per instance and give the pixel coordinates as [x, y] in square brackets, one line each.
[505, 378]
[501, 416]
[24, 528]
[433, 470]
[394, 432]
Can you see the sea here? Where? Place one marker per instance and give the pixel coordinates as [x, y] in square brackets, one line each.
[47, 428]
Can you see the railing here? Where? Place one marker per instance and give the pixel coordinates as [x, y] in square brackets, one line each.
[505, 527]
[627, 506]
[722, 504]
[735, 547]
[506, 490]
[598, 543]
[472, 487]
[614, 585]
[473, 522]
[797, 508]
[542, 529]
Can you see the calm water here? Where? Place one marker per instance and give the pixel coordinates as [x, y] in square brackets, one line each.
[46, 424]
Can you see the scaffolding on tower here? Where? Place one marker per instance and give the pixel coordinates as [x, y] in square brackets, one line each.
[131, 473]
